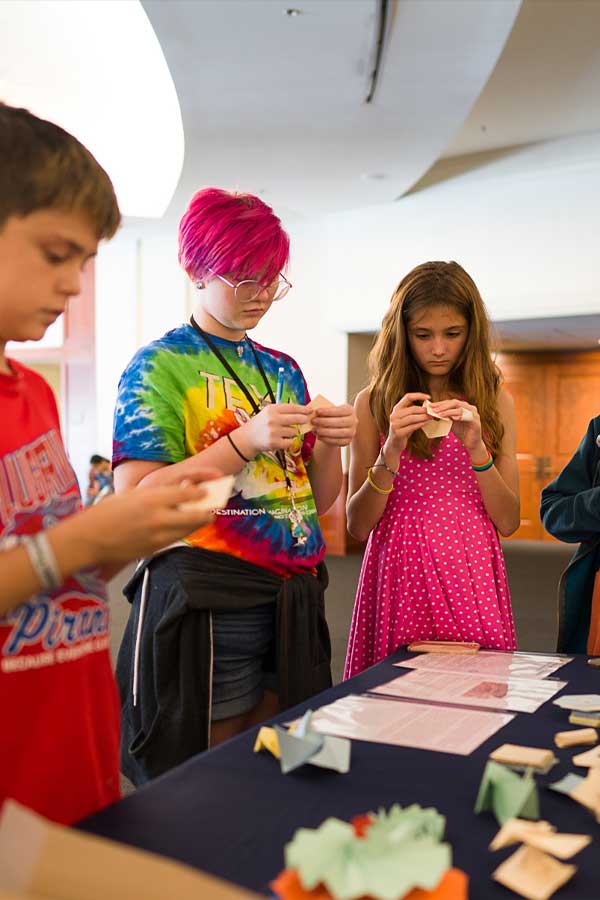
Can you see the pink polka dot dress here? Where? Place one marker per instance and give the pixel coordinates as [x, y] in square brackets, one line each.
[433, 567]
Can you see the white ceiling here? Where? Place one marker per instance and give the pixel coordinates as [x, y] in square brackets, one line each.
[276, 104]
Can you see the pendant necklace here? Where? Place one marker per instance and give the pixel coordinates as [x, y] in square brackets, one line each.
[295, 517]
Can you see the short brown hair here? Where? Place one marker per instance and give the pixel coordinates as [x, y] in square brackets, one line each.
[42, 166]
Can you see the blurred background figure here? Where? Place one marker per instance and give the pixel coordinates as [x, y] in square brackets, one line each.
[100, 482]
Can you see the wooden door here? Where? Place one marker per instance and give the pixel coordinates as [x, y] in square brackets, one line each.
[556, 395]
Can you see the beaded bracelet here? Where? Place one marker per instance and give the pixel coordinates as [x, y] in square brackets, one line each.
[236, 448]
[383, 465]
[376, 487]
[484, 466]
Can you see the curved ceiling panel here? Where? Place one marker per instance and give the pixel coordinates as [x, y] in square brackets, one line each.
[97, 69]
[275, 103]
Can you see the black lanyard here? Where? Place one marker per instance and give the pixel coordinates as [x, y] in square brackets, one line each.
[215, 350]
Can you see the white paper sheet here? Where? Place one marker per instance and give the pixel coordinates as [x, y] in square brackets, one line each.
[484, 691]
[489, 662]
[405, 724]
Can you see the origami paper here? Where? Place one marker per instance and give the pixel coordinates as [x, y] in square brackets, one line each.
[301, 744]
[318, 402]
[587, 792]
[580, 702]
[218, 492]
[439, 427]
[533, 874]
[453, 886]
[566, 784]
[542, 836]
[376, 865]
[524, 757]
[589, 758]
[507, 794]
[591, 719]
[575, 736]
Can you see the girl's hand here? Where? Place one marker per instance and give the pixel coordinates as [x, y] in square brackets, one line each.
[335, 425]
[466, 423]
[406, 417]
[273, 428]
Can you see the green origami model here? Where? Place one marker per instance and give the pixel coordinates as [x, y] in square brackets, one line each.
[401, 850]
[507, 795]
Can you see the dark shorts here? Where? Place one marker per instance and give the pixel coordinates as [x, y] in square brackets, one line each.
[243, 659]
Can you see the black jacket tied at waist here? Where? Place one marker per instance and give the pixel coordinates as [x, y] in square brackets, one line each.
[172, 669]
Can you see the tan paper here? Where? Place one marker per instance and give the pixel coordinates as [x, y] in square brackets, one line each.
[589, 758]
[533, 874]
[218, 492]
[575, 737]
[318, 402]
[588, 792]
[579, 718]
[439, 427]
[515, 831]
[38, 857]
[516, 755]
[460, 647]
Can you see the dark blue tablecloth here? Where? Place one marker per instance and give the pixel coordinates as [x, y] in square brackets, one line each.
[230, 811]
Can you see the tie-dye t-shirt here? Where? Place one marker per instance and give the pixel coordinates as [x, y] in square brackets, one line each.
[176, 398]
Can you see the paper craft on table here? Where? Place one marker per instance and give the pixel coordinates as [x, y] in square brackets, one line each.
[489, 662]
[584, 790]
[405, 724]
[580, 702]
[434, 647]
[454, 885]
[507, 795]
[218, 492]
[533, 874]
[524, 757]
[318, 402]
[575, 737]
[304, 745]
[516, 694]
[541, 835]
[577, 718]
[590, 759]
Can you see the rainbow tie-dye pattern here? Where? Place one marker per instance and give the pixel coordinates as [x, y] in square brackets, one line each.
[176, 398]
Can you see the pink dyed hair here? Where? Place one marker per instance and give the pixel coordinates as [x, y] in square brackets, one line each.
[231, 234]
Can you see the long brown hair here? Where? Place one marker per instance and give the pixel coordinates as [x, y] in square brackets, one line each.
[394, 371]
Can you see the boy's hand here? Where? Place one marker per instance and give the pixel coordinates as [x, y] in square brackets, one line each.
[335, 425]
[139, 521]
[273, 428]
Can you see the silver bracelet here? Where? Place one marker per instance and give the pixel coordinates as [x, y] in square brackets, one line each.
[43, 560]
[383, 465]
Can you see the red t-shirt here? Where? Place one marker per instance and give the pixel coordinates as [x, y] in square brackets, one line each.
[59, 731]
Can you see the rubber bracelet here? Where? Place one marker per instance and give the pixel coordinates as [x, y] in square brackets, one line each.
[484, 466]
[236, 448]
[43, 560]
[376, 487]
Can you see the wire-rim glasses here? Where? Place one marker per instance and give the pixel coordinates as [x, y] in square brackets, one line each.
[250, 289]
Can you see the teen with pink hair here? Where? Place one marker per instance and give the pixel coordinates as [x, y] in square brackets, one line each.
[228, 627]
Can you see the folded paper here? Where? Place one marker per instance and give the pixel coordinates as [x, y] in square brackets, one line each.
[318, 402]
[533, 874]
[398, 852]
[591, 719]
[576, 736]
[507, 795]
[584, 790]
[460, 647]
[218, 492]
[439, 426]
[454, 885]
[540, 835]
[527, 757]
[589, 758]
[579, 702]
[303, 745]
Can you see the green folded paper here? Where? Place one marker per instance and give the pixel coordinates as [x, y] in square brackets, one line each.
[507, 795]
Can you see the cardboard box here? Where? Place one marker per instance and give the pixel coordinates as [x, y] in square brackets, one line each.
[40, 860]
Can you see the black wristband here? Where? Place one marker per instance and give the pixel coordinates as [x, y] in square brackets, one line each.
[236, 448]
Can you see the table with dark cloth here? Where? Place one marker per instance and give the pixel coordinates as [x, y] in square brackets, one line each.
[230, 811]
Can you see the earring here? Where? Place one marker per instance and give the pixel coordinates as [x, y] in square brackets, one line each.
[199, 285]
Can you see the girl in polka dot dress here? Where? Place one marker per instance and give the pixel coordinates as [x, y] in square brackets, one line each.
[432, 508]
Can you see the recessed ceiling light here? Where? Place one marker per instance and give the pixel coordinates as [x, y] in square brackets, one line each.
[293, 11]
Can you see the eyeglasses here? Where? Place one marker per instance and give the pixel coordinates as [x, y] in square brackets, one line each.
[248, 290]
